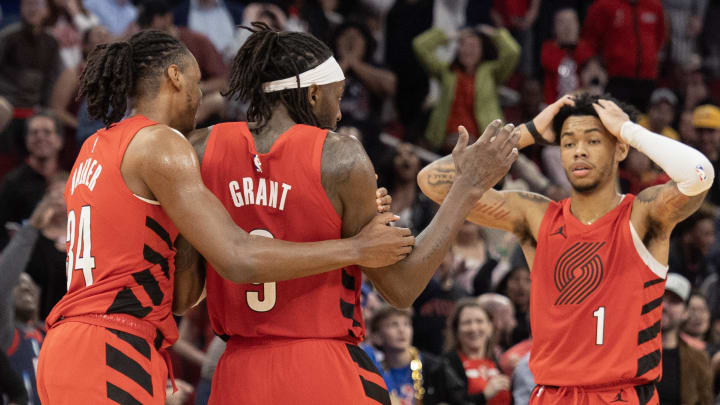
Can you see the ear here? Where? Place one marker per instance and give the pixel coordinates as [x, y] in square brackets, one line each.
[175, 76]
[621, 151]
[313, 95]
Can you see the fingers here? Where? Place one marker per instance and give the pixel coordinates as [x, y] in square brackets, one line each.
[381, 192]
[512, 157]
[506, 136]
[567, 100]
[385, 218]
[409, 241]
[490, 131]
[403, 231]
[406, 250]
[462, 141]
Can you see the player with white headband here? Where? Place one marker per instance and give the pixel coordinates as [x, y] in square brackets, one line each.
[286, 175]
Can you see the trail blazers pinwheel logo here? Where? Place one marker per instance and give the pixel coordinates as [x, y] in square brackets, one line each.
[578, 272]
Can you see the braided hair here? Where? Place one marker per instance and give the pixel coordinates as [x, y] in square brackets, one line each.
[270, 55]
[117, 71]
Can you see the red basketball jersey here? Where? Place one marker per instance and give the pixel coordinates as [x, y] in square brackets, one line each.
[279, 195]
[120, 248]
[595, 301]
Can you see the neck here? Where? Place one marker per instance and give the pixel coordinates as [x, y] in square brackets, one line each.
[589, 207]
[45, 166]
[670, 339]
[397, 358]
[157, 108]
[475, 353]
[277, 125]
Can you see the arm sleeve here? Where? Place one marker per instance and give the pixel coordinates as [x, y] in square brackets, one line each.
[687, 167]
[13, 260]
[425, 45]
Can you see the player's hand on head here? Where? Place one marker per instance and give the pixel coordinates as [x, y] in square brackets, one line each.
[611, 116]
[482, 164]
[380, 245]
[496, 384]
[383, 200]
[544, 120]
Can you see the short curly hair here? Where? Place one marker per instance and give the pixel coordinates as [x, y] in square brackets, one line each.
[584, 106]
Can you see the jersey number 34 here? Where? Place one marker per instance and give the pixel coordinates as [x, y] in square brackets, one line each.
[79, 252]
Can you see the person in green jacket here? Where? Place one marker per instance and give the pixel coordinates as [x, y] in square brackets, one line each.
[484, 59]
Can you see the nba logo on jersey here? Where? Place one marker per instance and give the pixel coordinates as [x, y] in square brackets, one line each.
[258, 165]
[701, 173]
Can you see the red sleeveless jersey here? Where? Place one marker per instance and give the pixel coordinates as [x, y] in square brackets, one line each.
[120, 249]
[595, 301]
[279, 195]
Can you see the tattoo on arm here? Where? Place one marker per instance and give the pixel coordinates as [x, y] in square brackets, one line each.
[495, 210]
[532, 197]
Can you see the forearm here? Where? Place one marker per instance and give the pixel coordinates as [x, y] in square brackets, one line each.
[13, 261]
[380, 81]
[687, 167]
[401, 283]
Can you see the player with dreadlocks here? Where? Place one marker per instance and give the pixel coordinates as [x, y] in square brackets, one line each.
[135, 186]
[286, 175]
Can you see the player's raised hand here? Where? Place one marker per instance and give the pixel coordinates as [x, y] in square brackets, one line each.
[380, 245]
[543, 121]
[482, 164]
[383, 200]
[612, 116]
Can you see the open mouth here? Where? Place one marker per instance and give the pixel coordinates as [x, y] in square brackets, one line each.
[580, 169]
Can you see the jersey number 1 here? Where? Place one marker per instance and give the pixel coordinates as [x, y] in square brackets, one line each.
[79, 256]
[269, 289]
[600, 329]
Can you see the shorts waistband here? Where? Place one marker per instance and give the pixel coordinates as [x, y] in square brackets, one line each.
[596, 388]
[125, 323]
[280, 340]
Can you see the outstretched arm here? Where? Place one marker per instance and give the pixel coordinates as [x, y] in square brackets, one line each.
[691, 172]
[352, 181]
[168, 166]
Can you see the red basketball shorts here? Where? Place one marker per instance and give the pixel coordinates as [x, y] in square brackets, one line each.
[296, 371]
[82, 363]
[625, 395]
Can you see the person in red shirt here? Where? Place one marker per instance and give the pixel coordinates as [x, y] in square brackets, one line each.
[469, 338]
[300, 337]
[562, 58]
[136, 186]
[599, 258]
[628, 34]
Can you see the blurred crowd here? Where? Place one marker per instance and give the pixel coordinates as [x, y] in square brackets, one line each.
[415, 70]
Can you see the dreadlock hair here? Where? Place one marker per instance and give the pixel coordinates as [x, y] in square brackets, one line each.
[270, 55]
[584, 106]
[120, 70]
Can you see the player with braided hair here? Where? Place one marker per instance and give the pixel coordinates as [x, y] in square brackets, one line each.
[599, 259]
[135, 187]
[296, 341]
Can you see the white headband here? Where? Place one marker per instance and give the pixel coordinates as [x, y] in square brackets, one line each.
[324, 73]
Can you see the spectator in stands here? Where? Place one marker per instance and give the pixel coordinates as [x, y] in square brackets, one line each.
[216, 19]
[470, 354]
[398, 172]
[29, 65]
[367, 85]
[523, 381]
[11, 385]
[22, 188]
[686, 19]
[41, 252]
[433, 307]
[411, 375]
[690, 245]
[157, 15]
[563, 57]
[697, 325]
[63, 101]
[628, 34]
[118, 16]
[706, 124]
[519, 17]
[661, 113]
[485, 58]
[68, 22]
[516, 286]
[502, 312]
[686, 374]
[474, 262]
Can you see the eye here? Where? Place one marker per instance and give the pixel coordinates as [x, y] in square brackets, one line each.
[594, 141]
[568, 145]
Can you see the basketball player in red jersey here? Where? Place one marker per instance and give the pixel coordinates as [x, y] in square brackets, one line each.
[599, 258]
[135, 186]
[286, 175]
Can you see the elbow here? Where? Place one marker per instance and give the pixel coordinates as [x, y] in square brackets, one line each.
[696, 185]
[240, 269]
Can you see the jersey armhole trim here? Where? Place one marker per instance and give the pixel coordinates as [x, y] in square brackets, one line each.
[655, 266]
[147, 200]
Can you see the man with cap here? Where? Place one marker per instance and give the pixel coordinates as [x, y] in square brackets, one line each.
[686, 376]
[661, 113]
[706, 121]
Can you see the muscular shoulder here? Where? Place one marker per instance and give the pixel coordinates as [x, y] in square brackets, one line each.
[343, 157]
